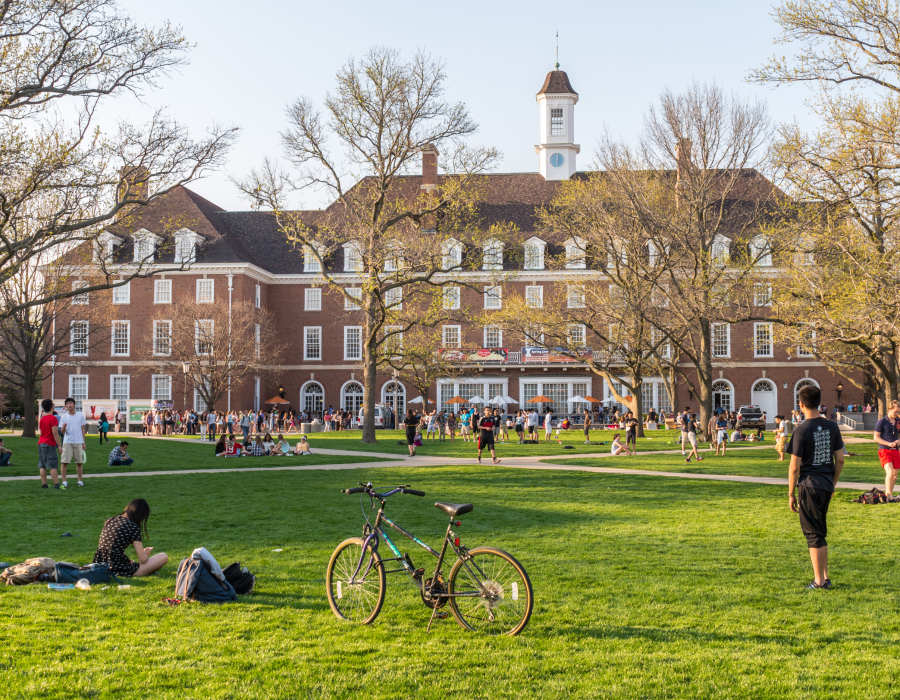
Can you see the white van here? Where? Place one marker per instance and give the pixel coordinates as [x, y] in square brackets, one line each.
[382, 416]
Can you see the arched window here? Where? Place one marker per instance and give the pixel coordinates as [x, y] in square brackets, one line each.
[451, 252]
[493, 255]
[798, 386]
[720, 251]
[765, 395]
[723, 395]
[388, 396]
[312, 398]
[760, 253]
[352, 398]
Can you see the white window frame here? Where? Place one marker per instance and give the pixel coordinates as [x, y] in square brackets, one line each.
[307, 345]
[201, 293]
[393, 343]
[575, 296]
[257, 339]
[112, 388]
[80, 299]
[557, 122]
[761, 252]
[353, 259]
[158, 296]
[451, 254]
[576, 255]
[356, 293]
[493, 329]
[393, 299]
[212, 331]
[156, 337]
[492, 255]
[393, 258]
[258, 296]
[310, 263]
[713, 328]
[451, 297]
[154, 385]
[720, 250]
[572, 338]
[186, 242]
[79, 398]
[762, 294]
[87, 335]
[534, 254]
[347, 356]
[308, 297]
[493, 297]
[122, 294]
[808, 350]
[117, 324]
[145, 244]
[534, 299]
[455, 329]
[757, 327]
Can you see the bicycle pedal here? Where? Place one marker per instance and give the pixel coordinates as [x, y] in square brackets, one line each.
[441, 615]
[419, 574]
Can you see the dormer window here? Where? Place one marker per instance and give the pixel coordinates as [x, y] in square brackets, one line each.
[760, 252]
[352, 258]
[186, 246]
[575, 254]
[105, 247]
[393, 258]
[451, 254]
[310, 261]
[145, 244]
[720, 250]
[534, 254]
[493, 256]
[556, 121]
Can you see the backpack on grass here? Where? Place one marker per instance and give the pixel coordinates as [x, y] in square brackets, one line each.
[240, 578]
[195, 582]
[873, 497]
[64, 572]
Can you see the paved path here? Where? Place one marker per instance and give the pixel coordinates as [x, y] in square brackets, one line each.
[512, 462]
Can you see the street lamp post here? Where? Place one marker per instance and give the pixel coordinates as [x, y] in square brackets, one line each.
[185, 367]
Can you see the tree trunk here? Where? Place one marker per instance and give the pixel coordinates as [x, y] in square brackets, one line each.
[29, 400]
[370, 369]
[704, 378]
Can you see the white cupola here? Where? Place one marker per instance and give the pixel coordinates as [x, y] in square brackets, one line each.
[557, 148]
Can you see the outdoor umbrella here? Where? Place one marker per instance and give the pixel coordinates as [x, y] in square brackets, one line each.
[498, 400]
[475, 399]
[277, 399]
[578, 398]
[592, 399]
[457, 399]
[540, 399]
[419, 400]
[509, 399]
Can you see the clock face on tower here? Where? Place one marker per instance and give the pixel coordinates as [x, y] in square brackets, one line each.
[556, 160]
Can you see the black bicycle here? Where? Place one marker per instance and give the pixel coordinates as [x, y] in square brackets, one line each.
[487, 589]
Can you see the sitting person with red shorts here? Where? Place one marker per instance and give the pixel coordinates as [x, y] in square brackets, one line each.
[887, 435]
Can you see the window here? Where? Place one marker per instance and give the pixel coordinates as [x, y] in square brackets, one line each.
[186, 247]
[144, 248]
[493, 298]
[393, 298]
[575, 254]
[312, 343]
[576, 334]
[655, 253]
[723, 395]
[121, 338]
[534, 255]
[203, 336]
[556, 121]
[451, 336]
[663, 346]
[762, 294]
[393, 340]
[720, 250]
[352, 343]
[258, 299]
[807, 347]
[393, 259]
[205, 291]
[762, 340]
[493, 337]
[312, 397]
[257, 338]
[162, 338]
[353, 261]
[534, 297]
[162, 387]
[80, 298]
[199, 401]
[349, 303]
[119, 390]
[451, 297]
[312, 299]
[451, 254]
[122, 294]
[616, 255]
[760, 254]
[310, 262]
[721, 339]
[493, 255]
[78, 340]
[575, 296]
[78, 389]
[255, 394]
[162, 291]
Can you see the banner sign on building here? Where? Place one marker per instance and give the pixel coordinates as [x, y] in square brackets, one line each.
[92, 409]
[481, 355]
[535, 354]
[136, 412]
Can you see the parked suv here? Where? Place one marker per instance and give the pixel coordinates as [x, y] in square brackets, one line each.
[751, 418]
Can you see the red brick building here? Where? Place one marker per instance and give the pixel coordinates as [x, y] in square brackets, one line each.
[242, 256]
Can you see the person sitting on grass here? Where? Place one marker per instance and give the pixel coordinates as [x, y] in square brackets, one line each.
[417, 440]
[5, 455]
[282, 448]
[232, 449]
[302, 447]
[220, 446]
[560, 427]
[123, 531]
[268, 444]
[255, 447]
[738, 435]
[617, 447]
[119, 456]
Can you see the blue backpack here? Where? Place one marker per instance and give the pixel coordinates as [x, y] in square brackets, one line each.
[71, 573]
[195, 582]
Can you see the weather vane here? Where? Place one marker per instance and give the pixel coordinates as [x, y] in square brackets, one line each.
[557, 50]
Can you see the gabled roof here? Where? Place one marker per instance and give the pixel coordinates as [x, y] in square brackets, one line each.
[557, 83]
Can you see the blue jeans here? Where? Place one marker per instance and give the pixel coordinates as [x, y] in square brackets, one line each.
[122, 462]
[246, 430]
[4, 458]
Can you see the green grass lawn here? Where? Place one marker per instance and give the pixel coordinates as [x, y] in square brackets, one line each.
[157, 455]
[645, 588]
[865, 468]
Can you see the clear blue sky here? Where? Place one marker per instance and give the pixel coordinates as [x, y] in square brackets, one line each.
[251, 59]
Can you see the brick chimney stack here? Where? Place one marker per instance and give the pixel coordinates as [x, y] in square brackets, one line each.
[429, 167]
[135, 183]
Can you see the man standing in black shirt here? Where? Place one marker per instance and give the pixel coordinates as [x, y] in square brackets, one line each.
[817, 458]
[486, 438]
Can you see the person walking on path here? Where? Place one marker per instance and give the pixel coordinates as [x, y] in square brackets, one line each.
[631, 426]
[587, 427]
[245, 425]
[411, 423]
[817, 459]
[689, 425]
[73, 428]
[887, 437]
[49, 444]
[486, 438]
[780, 436]
[103, 428]
[721, 433]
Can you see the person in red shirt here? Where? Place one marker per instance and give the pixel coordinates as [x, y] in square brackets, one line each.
[50, 444]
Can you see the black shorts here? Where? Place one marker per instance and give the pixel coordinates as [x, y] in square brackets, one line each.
[587, 429]
[519, 428]
[486, 440]
[631, 437]
[813, 505]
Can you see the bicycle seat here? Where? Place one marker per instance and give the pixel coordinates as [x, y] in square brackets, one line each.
[454, 509]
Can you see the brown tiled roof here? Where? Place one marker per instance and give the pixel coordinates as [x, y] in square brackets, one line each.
[557, 83]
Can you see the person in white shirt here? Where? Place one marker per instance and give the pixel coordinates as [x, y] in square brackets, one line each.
[533, 420]
[432, 421]
[73, 427]
[548, 425]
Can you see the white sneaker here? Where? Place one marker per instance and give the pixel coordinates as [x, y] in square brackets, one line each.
[65, 484]
[81, 483]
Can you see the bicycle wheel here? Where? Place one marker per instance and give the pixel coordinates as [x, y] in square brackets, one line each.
[505, 598]
[361, 600]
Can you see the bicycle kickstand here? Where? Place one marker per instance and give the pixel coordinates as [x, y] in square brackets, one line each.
[440, 615]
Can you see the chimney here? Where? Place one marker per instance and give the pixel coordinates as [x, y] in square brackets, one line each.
[429, 167]
[134, 183]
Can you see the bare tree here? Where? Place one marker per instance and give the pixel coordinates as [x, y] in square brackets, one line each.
[220, 347]
[397, 239]
[67, 57]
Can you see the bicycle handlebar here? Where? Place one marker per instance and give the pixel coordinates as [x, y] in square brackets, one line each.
[367, 488]
[356, 489]
[413, 492]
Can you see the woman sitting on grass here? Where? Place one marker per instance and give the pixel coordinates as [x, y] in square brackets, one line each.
[122, 531]
[268, 444]
[302, 447]
[617, 447]
[282, 448]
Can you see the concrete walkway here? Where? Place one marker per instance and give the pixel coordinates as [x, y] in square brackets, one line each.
[538, 462]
